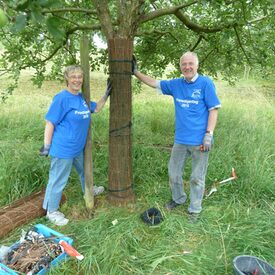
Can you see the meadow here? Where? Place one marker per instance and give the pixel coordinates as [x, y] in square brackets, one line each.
[238, 219]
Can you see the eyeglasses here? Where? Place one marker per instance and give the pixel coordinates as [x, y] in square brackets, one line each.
[76, 77]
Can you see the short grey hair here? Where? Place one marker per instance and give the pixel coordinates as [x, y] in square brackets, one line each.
[193, 54]
[72, 68]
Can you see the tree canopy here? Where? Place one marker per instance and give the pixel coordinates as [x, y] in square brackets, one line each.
[226, 34]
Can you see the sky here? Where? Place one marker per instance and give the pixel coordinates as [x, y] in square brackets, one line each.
[99, 42]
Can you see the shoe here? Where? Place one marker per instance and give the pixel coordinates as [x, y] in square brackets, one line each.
[193, 217]
[57, 218]
[98, 190]
[171, 205]
[59, 213]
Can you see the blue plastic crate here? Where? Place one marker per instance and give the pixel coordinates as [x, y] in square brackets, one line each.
[47, 232]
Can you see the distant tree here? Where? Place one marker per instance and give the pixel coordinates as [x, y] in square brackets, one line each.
[227, 35]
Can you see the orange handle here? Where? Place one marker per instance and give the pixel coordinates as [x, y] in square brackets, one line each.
[234, 173]
[70, 250]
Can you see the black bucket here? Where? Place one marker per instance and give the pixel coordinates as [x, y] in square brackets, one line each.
[250, 265]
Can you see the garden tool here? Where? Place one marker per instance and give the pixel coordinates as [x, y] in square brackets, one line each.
[70, 250]
[223, 182]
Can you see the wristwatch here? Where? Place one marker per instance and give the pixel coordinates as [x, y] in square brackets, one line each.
[210, 132]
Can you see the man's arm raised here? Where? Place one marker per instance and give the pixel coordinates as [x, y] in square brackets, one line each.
[148, 80]
[142, 77]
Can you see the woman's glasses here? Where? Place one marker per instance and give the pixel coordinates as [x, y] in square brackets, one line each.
[76, 77]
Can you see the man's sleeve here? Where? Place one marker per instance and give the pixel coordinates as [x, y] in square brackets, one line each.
[166, 87]
[211, 99]
[158, 89]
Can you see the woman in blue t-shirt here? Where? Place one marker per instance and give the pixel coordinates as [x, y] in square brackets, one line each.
[67, 125]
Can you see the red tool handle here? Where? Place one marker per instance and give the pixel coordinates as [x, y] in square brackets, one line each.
[70, 250]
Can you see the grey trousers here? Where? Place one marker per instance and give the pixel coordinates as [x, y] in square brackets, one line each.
[179, 155]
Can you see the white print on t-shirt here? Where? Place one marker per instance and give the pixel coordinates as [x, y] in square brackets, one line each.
[84, 113]
[85, 104]
[196, 93]
[185, 102]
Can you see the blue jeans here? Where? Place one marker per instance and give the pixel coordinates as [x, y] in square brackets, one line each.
[179, 155]
[58, 177]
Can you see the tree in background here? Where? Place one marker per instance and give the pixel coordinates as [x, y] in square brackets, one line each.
[227, 35]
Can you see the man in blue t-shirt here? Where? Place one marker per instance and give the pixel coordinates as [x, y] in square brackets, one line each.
[196, 111]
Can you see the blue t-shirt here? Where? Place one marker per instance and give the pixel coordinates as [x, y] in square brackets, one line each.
[193, 101]
[71, 117]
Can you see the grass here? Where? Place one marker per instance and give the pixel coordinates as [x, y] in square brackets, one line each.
[238, 219]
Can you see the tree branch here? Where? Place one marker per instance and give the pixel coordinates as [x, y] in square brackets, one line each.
[188, 23]
[4, 72]
[104, 16]
[160, 33]
[198, 28]
[152, 2]
[166, 11]
[66, 19]
[197, 43]
[256, 20]
[87, 11]
[128, 15]
[207, 55]
[240, 44]
[68, 33]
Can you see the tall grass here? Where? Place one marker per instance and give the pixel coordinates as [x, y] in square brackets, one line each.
[238, 219]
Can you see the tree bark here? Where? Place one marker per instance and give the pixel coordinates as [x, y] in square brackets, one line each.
[88, 161]
[120, 122]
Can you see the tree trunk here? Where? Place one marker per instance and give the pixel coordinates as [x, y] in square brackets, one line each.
[120, 143]
[88, 161]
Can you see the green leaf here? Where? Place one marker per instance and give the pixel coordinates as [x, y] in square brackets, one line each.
[36, 14]
[54, 27]
[49, 3]
[20, 23]
[43, 3]
[46, 3]
[22, 5]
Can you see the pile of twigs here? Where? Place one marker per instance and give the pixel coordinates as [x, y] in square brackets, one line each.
[32, 254]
